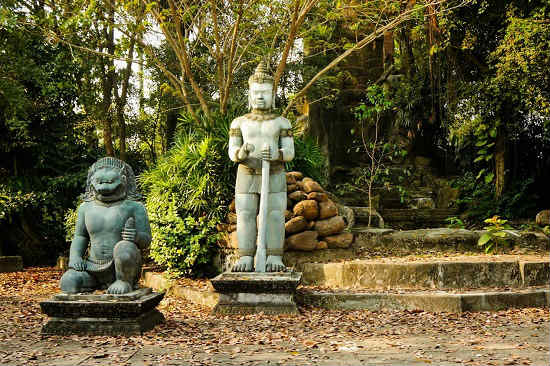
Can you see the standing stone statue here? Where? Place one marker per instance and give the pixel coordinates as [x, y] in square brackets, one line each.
[110, 226]
[260, 139]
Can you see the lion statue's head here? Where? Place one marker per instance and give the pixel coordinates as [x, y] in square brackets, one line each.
[111, 180]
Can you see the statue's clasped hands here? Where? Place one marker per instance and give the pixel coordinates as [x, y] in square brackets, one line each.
[247, 148]
[266, 153]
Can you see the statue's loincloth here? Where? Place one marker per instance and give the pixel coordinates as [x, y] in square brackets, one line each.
[103, 270]
[250, 180]
[99, 265]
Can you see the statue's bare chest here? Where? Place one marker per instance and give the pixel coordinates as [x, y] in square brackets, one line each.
[106, 219]
[256, 130]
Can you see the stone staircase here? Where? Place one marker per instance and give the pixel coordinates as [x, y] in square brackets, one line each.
[424, 200]
[451, 284]
[404, 218]
[437, 270]
[408, 219]
[473, 283]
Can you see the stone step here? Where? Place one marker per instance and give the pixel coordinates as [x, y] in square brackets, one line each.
[296, 259]
[407, 219]
[433, 301]
[389, 242]
[391, 199]
[451, 273]
[205, 296]
[387, 198]
[453, 301]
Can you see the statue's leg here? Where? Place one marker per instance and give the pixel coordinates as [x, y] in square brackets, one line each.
[276, 232]
[246, 205]
[127, 267]
[73, 282]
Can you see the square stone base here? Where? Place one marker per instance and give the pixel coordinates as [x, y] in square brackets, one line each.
[252, 292]
[102, 314]
[103, 326]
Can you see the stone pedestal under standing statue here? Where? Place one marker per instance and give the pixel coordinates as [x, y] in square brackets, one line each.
[261, 142]
[111, 228]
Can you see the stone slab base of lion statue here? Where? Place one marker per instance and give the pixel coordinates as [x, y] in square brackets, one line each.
[127, 314]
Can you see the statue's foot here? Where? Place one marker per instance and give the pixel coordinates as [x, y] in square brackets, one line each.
[119, 287]
[274, 263]
[245, 264]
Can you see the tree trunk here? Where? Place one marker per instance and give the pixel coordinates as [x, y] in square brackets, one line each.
[432, 38]
[388, 49]
[331, 125]
[108, 83]
[122, 132]
[500, 163]
[405, 45]
[121, 100]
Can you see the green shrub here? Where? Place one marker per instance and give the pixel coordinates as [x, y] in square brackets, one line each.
[188, 192]
[70, 220]
[498, 232]
[181, 243]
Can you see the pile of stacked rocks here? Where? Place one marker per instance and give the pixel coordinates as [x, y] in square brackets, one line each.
[311, 219]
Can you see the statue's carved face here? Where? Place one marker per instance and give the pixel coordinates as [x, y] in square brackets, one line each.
[261, 96]
[109, 184]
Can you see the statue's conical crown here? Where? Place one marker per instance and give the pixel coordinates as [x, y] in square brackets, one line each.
[261, 75]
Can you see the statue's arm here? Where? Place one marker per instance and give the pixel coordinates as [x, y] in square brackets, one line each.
[143, 229]
[235, 140]
[79, 245]
[286, 141]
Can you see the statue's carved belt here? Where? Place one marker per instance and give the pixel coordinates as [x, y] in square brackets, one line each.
[249, 180]
[274, 168]
[98, 265]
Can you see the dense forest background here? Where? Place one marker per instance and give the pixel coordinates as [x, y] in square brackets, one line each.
[464, 83]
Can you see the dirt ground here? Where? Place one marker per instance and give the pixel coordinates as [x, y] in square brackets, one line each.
[191, 336]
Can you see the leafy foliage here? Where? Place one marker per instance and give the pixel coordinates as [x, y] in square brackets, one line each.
[455, 223]
[477, 199]
[19, 215]
[501, 104]
[522, 59]
[379, 151]
[187, 194]
[498, 233]
[43, 162]
[308, 159]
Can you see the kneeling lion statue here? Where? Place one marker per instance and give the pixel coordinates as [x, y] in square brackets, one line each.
[110, 228]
